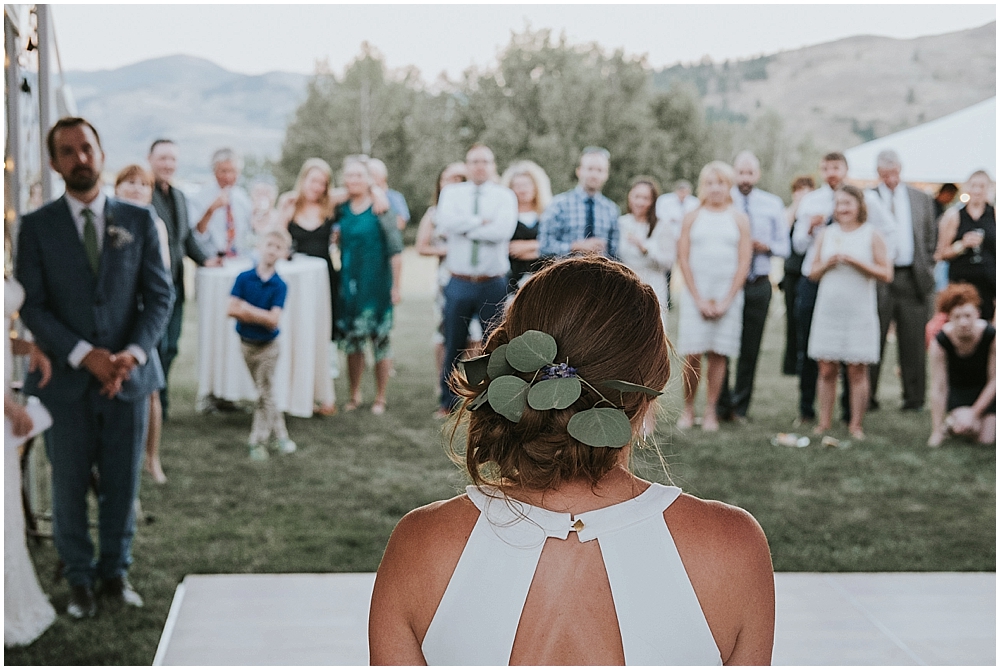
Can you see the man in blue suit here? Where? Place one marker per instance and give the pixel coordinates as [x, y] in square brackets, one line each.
[97, 301]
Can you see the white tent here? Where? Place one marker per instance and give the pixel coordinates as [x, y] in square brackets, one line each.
[948, 149]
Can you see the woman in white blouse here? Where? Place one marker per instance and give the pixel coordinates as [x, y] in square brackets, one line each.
[646, 247]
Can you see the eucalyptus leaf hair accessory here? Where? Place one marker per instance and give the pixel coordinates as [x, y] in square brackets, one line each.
[552, 386]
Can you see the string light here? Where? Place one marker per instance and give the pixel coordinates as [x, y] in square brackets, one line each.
[964, 197]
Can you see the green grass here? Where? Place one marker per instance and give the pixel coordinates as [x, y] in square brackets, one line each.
[887, 504]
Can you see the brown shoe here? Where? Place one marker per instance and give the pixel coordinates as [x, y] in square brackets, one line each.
[118, 589]
[81, 602]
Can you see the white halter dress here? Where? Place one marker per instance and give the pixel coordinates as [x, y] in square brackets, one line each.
[660, 619]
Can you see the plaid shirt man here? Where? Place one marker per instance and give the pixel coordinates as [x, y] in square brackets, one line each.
[565, 221]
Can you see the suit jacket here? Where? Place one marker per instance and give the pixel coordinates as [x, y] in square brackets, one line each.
[924, 239]
[179, 236]
[128, 302]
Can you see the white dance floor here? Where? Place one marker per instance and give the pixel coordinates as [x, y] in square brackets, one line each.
[822, 619]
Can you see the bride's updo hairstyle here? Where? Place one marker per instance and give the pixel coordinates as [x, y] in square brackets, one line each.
[606, 324]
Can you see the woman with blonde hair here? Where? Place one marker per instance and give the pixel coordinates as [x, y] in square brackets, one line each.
[307, 213]
[370, 247]
[714, 253]
[557, 554]
[534, 193]
[967, 239]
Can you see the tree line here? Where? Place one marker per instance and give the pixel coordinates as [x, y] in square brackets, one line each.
[544, 100]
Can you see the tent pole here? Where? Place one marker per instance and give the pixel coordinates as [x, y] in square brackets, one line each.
[44, 92]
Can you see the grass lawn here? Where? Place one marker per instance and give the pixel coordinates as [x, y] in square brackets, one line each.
[887, 504]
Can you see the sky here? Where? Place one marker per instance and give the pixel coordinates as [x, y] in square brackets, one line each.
[254, 39]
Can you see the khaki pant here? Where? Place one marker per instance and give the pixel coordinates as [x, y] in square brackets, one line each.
[261, 360]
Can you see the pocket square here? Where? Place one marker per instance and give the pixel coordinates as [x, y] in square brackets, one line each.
[120, 237]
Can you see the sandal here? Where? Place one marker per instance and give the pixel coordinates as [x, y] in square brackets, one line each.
[378, 408]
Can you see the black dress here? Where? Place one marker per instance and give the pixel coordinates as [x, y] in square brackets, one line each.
[967, 375]
[978, 269]
[518, 267]
[316, 243]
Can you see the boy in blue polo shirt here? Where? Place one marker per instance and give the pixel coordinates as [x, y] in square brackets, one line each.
[256, 302]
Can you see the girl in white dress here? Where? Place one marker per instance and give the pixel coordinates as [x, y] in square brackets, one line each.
[713, 252]
[27, 612]
[647, 245]
[849, 257]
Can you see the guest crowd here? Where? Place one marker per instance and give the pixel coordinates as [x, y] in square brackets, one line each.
[103, 298]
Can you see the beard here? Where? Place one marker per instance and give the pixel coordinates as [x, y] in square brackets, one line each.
[744, 188]
[81, 179]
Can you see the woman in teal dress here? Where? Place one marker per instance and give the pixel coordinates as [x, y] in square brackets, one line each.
[370, 247]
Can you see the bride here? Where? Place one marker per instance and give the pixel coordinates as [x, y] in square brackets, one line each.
[27, 612]
[557, 554]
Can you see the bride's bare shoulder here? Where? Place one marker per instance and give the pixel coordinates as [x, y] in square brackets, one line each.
[713, 525]
[443, 522]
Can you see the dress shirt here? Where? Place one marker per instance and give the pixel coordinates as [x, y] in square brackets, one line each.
[767, 224]
[565, 221]
[488, 227]
[897, 203]
[213, 240]
[820, 202]
[96, 206]
[398, 204]
[669, 208]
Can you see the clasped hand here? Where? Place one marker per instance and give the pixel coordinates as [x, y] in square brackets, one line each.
[110, 369]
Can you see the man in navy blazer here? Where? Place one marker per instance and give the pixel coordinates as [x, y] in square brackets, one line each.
[97, 301]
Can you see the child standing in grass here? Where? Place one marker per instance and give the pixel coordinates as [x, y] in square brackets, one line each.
[256, 302]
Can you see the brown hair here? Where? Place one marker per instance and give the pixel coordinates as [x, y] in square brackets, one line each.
[130, 172]
[654, 190]
[69, 122]
[956, 295]
[858, 195]
[804, 181]
[835, 156]
[606, 323]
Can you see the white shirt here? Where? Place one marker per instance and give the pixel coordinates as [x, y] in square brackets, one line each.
[213, 240]
[820, 202]
[96, 206]
[898, 205]
[670, 209]
[491, 227]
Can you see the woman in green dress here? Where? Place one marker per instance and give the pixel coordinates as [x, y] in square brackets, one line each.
[370, 247]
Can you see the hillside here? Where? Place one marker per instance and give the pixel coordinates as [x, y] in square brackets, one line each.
[839, 94]
[198, 104]
[852, 90]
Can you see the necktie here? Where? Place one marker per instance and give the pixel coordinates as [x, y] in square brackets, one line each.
[475, 212]
[230, 232]
[751, 276]
[892, 203]
[90, 241]
[588, 230]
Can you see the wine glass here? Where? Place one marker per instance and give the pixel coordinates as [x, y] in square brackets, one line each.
[977, 251]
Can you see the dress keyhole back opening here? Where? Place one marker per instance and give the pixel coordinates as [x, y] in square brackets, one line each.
[569, 615]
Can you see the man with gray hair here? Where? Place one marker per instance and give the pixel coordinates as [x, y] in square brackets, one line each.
[907, 300]
[769, 236]
[380, 176]
[221, 212]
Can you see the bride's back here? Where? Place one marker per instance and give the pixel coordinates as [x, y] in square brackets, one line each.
[557, 555]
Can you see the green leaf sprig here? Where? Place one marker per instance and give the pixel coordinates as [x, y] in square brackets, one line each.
[603, 425]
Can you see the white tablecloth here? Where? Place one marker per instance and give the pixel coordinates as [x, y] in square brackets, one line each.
[302, 377]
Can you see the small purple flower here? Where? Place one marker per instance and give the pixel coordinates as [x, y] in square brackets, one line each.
[560, 371]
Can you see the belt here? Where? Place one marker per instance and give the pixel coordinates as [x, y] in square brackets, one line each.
[477, 279]
[904, 267]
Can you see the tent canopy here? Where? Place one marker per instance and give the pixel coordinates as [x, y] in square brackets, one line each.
[948, 149]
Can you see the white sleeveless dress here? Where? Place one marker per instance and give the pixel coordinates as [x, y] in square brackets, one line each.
[660, 619]
[845, 320]
[713, 257]
[26, 610]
